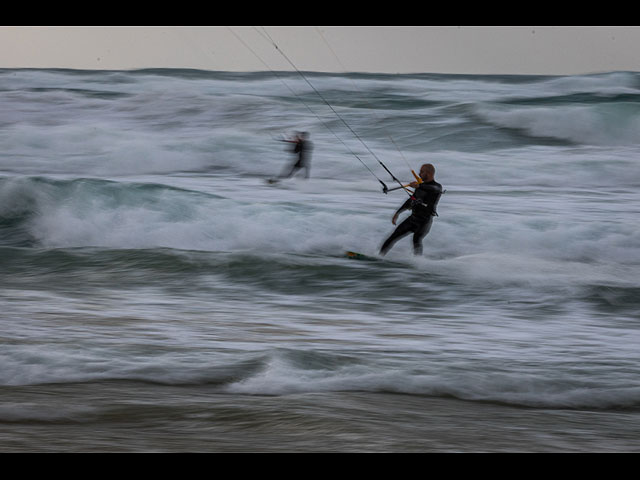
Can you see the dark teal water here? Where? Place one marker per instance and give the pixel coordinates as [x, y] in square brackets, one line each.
[157, 294]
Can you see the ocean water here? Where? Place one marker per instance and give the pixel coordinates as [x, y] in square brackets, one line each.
[157, 294]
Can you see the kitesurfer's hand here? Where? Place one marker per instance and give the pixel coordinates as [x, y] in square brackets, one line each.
[394, 219]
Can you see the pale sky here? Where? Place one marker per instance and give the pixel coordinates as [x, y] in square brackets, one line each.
[422, 49]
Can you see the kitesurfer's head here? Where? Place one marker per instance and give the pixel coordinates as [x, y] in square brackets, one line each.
[427, 172]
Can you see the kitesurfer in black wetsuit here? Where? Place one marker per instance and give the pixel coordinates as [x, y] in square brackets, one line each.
[423, 204]
[302, 149]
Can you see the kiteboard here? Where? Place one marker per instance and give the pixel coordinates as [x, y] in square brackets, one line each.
[358, 256]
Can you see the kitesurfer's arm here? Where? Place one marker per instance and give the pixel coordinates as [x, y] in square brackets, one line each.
[405, 206]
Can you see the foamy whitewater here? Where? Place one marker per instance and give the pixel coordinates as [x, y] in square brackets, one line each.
[158, 294]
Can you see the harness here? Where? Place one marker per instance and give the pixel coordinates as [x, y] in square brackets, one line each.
[422, 209]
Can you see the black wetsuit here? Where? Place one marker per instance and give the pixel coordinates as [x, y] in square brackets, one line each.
[423, 205]
[303, 150]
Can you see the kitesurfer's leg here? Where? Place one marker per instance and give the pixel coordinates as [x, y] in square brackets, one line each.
[405, 228]
[419, 235]
[288, 172]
